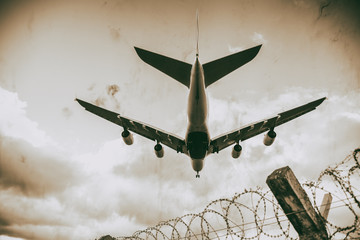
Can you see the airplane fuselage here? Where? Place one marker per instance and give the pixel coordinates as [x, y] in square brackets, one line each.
[197, 136]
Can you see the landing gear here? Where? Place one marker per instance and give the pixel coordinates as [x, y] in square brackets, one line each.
[197, 175]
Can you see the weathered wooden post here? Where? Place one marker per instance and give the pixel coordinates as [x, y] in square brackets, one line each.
[325, 205]
[296, 204]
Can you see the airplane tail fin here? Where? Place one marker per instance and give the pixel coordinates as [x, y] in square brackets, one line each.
[217, 69]
[176, 69]
[197, 33]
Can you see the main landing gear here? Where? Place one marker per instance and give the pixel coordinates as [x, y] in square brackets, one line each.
[197, 174]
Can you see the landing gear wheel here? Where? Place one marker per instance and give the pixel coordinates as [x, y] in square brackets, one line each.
[197, 175]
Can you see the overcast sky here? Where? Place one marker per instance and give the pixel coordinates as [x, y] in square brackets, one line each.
[66, 174]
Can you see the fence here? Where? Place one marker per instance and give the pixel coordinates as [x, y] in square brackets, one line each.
[255, 213]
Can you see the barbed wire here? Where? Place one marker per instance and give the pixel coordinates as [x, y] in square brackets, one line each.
[255, 213]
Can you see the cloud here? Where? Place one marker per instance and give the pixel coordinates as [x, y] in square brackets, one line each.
[32, 218]
[29, 159]
[16, 124]
[42, 194]
[131, 182]
[9, 238]
[32, 171]
[234, 49]
[258, 38]
[146, 175]
[325, 135]
[147, 165]
[129, 186]
[138, 172]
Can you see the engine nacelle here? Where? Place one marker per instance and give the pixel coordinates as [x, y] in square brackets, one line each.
[236, 151]
[127, 137]
[269, 137]
[159, 150]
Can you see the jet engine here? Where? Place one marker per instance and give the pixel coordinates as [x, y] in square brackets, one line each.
[236, 151]
[127, 137]
[159, 150]
[269, 137]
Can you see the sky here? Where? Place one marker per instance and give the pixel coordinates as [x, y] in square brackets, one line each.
[66, 173]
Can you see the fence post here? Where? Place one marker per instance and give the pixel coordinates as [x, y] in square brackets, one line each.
[325, 205]
[296, 204]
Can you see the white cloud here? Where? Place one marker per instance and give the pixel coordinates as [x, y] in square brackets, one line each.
[259, 38]
[15, 123]
[10, 238]
[234, 49]
[33, 170]
[327, 134]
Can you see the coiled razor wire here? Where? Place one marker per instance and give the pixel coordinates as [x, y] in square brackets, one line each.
[255, 213]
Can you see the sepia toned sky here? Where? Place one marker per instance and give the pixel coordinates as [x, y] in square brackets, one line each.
[66, 173]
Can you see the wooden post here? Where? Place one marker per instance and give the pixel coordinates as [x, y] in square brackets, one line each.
[325, 205]
[296, 204]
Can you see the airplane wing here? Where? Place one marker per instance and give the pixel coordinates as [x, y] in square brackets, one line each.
[251, 130]
[145, 130]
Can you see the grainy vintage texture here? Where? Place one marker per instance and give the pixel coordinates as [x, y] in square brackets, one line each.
[66, 174]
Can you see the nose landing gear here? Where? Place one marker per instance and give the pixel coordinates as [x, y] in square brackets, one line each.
[197, 174]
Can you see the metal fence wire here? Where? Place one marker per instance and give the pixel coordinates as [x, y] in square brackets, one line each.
[255, 213]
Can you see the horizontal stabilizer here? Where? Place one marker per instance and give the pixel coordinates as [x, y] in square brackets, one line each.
[217, 69]
[176, 69]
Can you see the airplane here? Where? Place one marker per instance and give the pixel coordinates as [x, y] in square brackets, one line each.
[197, 143]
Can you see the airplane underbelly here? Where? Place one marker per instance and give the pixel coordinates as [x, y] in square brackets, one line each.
[197, 164]
[197, 113]
[197, 144]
